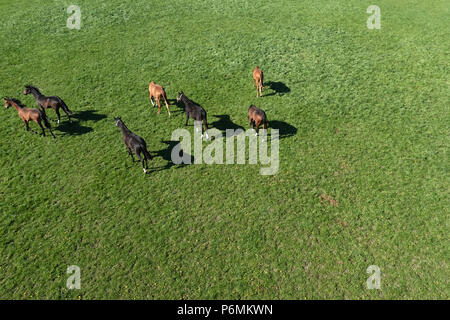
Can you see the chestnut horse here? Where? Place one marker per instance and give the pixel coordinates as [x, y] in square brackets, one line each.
[48, 102]
[27, 114]
[256, 116]
[258, 78]
[156, 91]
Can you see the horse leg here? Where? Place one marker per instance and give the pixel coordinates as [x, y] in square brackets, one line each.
[167, 106]
[68, 115]
[158, 100]
[205, 123]
[28, 127]
[42, 128]
[258, 122]
[151, 100]
[187, 118]
[58, 114]
[130, 153]
[141, 159]
[51, 132]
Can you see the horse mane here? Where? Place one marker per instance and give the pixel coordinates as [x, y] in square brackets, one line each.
[33, 88]
[122, 124]
[17, 102]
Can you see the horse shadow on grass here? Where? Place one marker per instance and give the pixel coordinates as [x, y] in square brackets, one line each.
[285, 129]
[89, 115]
[224, 122]
[76, 128]
[166, 154]
[278, 88]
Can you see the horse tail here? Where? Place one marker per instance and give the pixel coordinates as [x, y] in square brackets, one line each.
[165, 97]
[147, 154]
[44, 118]
[65, 107]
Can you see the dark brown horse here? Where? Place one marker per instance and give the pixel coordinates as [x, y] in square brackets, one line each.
[135, 144]
[44, 102]
[27, 114]
[256, 116]
[194, 111]
[156, 91]
[258, 78]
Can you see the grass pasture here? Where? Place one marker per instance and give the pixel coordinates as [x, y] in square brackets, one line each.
[363, 178]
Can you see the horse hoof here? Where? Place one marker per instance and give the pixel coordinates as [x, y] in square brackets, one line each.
[145, 171]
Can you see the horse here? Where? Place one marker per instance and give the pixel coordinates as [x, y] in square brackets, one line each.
[29, 114]
[48, 102]
[256, 116]
[194, 111]
[156, 91]
[134, 143]
[258, 78]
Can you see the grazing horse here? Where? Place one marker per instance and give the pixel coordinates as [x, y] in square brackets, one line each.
[134, 143]
[48, 102]
[27, 114]
[156, 91]
[256, 116]
[258, 78]
[194, 111]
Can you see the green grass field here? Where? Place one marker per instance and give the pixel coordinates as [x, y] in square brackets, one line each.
[364, 119]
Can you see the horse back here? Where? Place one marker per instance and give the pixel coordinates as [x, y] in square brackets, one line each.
[155, 89]
[257, 73]
[256, 113]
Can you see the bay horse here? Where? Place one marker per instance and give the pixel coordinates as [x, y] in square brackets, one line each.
[156, 91]
[134, 143]
[256, 116]
[194, 111]
[258, 78]
[29, 114]
[44, 102]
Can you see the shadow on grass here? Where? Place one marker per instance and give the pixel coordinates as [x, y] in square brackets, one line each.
[89, 115]
[286, 130]
[224, 122]
[278, 88]
[166, 154]
[76, 128]
[179, 105]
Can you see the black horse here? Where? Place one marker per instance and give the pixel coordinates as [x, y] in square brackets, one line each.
[194, 111]
[48, 102]
[135, 144]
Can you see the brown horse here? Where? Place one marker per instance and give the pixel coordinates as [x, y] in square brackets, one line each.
[156, 91]
[27, 114]
[256, 116]
[258, 78]
[48, 102]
